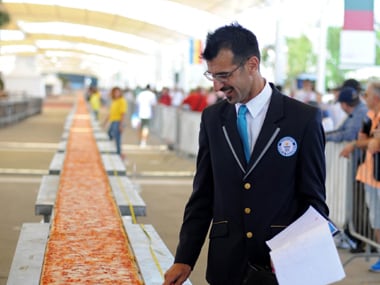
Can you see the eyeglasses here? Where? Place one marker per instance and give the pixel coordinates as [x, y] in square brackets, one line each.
[222, 76]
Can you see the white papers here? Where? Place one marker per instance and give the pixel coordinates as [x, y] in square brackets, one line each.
[305, 252]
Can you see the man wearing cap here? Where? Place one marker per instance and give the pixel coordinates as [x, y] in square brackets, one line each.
[356, 110]
[336, 112]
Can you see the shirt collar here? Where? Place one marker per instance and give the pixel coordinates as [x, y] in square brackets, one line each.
[256, 104]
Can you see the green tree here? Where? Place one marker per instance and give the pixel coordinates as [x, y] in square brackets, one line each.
[301, 57]
[4, 16]
[334, 75]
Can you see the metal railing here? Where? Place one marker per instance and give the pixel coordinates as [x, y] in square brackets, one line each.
[17, 109]
[358, 222]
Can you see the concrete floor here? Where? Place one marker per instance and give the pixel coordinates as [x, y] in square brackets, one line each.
[26, 149]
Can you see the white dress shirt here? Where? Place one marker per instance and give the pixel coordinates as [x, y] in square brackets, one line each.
[257, 109]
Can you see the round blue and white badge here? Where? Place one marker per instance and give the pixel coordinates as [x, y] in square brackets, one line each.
[287, 146]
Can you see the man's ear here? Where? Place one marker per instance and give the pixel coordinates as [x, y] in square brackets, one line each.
[253, 63]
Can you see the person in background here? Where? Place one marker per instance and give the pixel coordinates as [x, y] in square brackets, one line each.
[356, 111]
[116, 117]
[196, 100]
[165, 97]
[307, 93]
[145, 100]
[95, 101]
[365, 172]
[251, 181]
[338, 115]
[177, 96]
[373, 191]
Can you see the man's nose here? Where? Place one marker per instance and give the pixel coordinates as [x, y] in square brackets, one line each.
[218, 85]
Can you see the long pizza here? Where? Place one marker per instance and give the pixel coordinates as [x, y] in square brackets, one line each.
[87, 242]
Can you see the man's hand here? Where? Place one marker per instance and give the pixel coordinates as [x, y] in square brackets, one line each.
[348, 148]
[177, 274]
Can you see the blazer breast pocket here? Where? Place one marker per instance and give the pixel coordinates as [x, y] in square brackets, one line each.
[276, 229]
[219, 229]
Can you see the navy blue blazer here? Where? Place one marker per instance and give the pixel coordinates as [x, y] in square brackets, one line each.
[249, 203]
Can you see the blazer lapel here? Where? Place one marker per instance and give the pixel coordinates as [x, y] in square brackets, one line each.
[232, 135]
[269, 130]
[274, 113]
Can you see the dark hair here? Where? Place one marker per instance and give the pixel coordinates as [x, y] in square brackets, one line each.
[242, 42]
[354, 103]
[352, 83]
[114, 90]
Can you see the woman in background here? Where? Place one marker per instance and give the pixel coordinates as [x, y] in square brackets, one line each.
[116, 115]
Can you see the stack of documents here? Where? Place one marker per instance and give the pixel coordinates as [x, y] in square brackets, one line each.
[305, 252]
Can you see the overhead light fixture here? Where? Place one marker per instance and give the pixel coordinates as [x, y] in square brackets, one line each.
[11, 35]
[7, 63]
[89, 32]
[12, 49]
[84, 48]
[160, 13]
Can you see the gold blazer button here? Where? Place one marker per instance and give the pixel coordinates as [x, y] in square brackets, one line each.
[247, 186]
[249, 234]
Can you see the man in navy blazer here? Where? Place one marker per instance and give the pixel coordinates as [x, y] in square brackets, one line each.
[248, 202]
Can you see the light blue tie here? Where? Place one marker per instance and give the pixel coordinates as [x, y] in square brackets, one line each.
[243, 130]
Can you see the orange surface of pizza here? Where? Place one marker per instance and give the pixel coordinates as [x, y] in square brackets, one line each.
[87, 242]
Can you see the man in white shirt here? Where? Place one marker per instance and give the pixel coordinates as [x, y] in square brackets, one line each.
[145, 101]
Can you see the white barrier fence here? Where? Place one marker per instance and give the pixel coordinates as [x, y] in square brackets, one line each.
[337, 178]
[15, 110]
